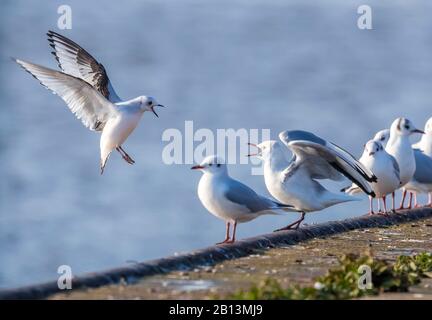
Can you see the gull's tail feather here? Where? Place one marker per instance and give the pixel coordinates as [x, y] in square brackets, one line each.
[352, 189]
[102, 166]
[275, 208]
[333, 198]
[284, 207]
[103, 163]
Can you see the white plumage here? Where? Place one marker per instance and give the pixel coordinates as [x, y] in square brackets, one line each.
[84, 86]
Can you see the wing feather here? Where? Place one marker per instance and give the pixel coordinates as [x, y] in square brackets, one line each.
[83, 100]
[74, 60]
[255, 203]
[319, 157]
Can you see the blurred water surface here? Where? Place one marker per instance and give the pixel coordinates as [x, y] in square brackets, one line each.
[223, 64]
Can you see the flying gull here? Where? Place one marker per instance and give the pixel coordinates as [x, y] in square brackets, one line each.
[84, 86]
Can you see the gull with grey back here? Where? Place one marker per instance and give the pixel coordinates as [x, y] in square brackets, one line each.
[369, 159]
[84, 86]
[421, 181]
[229, 199]
[385, 167]
[399, 146]
[295, 182]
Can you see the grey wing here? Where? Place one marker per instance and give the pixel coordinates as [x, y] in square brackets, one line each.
[322, 158]
[423, 173]
[317, 167]
[74, 60]
[242, 195]
[83, 100]
[395, 166]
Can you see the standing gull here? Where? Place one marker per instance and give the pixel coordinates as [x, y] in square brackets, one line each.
[229, 199]
[295, 182]
[385, 167]
[382, 137]
[421, 181]
[84, 85]
[425, 143]
[399, 147]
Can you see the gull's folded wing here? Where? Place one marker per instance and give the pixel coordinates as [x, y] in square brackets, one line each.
[75, 61]
[396, 168]
[242, 195]
[423, 173]
[321, 158]
[83, 100]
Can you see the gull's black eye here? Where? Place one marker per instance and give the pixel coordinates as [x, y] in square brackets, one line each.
[382, 138]
[407, 126]
[149, 103]
[218, 165]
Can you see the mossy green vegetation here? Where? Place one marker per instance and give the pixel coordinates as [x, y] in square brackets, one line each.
[342, 281]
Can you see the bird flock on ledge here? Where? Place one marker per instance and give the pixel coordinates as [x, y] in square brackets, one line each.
[389, 161]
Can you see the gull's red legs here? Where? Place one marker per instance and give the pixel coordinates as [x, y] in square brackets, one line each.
[371, 212]
[410, 200]
[295, 225]
[403, 200]
[416, 204]
[429, 204]
[385, 206]
[234, 232]
[227, 236]
[125, 156]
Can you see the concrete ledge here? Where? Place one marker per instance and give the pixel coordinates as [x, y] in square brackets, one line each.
[215, 254]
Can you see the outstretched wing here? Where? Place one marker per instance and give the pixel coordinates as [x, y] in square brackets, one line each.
[323, 159]
[83, 100]
[75, 61]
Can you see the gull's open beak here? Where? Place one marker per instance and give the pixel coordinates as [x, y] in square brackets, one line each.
[254, 154]
[418, 131]
[153, 110]
[197, 167]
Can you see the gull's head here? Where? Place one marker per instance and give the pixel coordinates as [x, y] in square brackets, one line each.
[148, 104]
[212, 164]
[265, 149]
[428, 127]
[382, 136]
[372, 147]
[404, 127]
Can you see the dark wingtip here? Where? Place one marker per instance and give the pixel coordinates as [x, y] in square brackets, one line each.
[282, 205]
